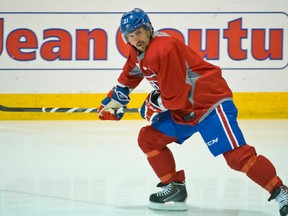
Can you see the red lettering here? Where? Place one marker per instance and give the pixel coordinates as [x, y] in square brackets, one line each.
[83, 38]
[20, 40]
[275, 50]
[211, 51]
[57, 49]
[58, 44]
[1, 34]
[234, 35]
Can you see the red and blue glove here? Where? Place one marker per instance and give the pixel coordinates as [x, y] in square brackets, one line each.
[112, 106]
[152, 106]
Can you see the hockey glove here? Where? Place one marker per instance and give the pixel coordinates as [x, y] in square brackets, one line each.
[152, 106]
[112, 106]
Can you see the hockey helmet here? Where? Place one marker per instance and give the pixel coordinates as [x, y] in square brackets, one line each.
[133, 20]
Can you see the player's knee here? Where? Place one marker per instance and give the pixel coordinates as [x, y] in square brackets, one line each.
[150, 138]
[142, 139]
[241, 158]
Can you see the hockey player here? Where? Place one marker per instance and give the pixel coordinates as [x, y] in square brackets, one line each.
[189, 96]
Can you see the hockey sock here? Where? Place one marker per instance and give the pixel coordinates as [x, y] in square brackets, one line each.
[163, 165]
[154, 144]
[262, 171]
[257, 168]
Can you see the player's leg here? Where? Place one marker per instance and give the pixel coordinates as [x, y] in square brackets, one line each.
[229, 141]
[154, 144]
[256, 167]
[259, 169]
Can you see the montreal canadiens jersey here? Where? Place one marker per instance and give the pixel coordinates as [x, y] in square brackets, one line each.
[190, 86]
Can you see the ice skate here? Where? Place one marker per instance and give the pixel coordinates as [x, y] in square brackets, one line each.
[172, 197]
[281, 196]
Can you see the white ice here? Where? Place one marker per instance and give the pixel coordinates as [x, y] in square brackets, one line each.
[83, 168]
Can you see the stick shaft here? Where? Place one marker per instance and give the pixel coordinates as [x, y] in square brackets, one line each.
[57, 109]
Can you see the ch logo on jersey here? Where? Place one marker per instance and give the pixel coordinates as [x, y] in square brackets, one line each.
[154, 85]
[151, 77]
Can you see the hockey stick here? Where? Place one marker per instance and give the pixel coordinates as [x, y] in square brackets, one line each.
[56, 109]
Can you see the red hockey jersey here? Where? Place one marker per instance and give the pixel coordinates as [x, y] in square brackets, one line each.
[190, 87]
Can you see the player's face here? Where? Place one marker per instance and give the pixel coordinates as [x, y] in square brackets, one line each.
[140, 38]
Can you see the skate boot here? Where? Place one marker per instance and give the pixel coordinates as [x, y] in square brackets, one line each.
[172, 197]
[281, 196]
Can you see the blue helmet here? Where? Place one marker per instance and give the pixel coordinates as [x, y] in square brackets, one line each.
[133, 20]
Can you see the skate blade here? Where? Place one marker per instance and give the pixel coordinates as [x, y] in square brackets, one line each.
[169, 206]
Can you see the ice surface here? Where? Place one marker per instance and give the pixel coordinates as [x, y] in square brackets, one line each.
[69, 168]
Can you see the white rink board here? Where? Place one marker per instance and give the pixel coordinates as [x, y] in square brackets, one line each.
[95, 76]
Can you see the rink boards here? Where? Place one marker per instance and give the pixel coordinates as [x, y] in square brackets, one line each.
[251, 105]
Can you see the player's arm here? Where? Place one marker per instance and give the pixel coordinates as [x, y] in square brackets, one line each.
[131, 74]
[118, 97]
